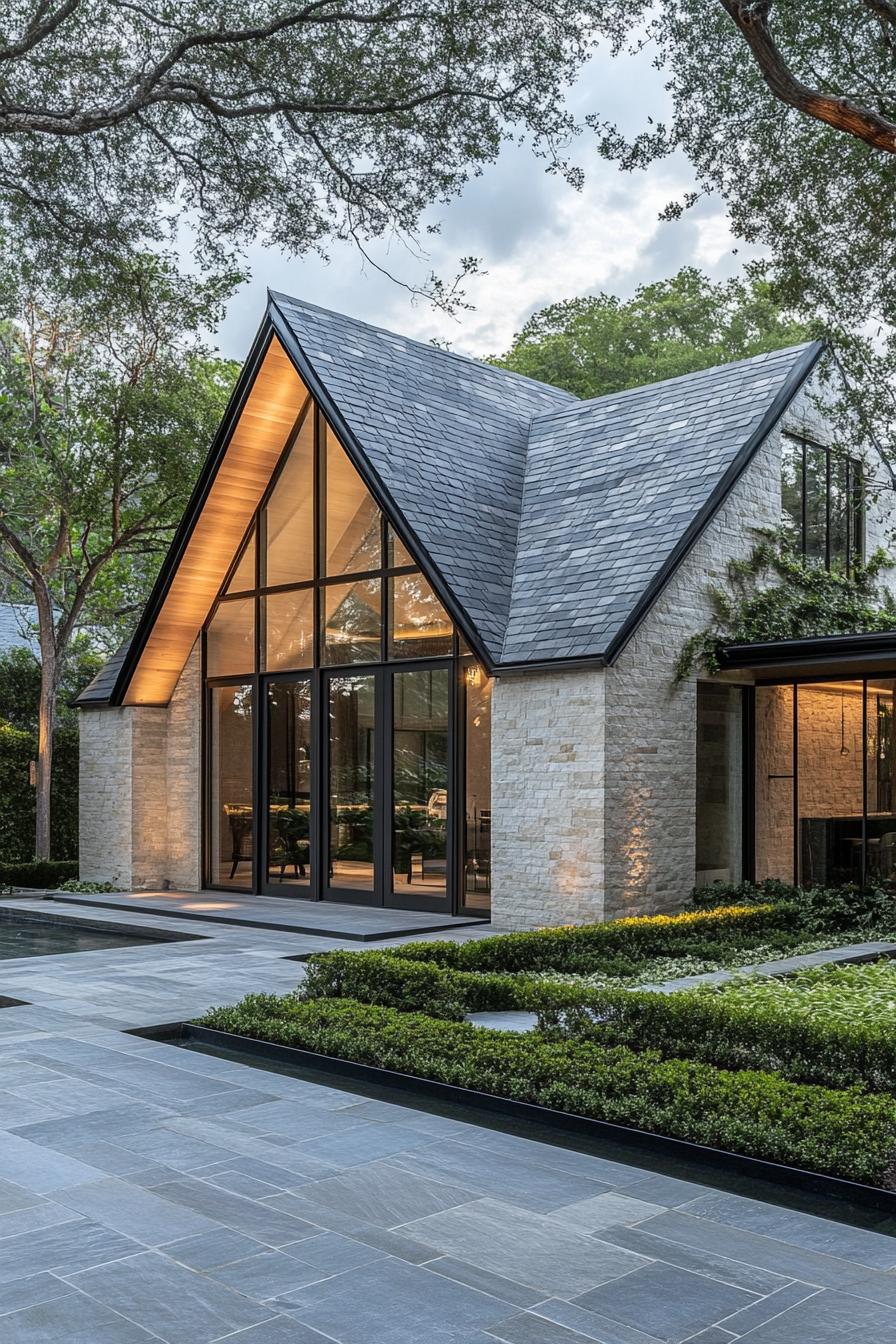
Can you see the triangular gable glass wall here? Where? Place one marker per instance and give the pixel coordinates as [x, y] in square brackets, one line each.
[347, 729]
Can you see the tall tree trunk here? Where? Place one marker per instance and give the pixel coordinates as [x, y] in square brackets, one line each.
[46, 727]
[46, 715]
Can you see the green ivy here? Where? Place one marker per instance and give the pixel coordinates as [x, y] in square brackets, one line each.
[777, 594]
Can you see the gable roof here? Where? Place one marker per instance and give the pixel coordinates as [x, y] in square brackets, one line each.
[546, 524]
[617, 490]
[446, 437]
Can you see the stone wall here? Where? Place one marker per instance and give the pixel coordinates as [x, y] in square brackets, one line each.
[140, 814]
[548, 799]
[594, 772]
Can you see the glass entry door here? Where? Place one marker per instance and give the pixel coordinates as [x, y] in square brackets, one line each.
[386, 770]
[353, 804]
[288, 866]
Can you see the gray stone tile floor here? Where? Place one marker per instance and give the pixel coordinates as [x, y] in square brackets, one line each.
[152, 1193]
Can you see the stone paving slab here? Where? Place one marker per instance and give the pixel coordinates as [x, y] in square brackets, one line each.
[178, 1196]
[327, 919]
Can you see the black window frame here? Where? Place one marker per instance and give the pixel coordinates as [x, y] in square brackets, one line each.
[319, 672]
[854, 501]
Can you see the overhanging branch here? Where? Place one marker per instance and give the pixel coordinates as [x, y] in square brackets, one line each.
[751, 18]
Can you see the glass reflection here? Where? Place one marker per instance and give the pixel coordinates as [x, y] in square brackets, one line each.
[420, 782]
[351, 782]
[420, 625]
[774, 782]
[289, 516]
[289, 783]
[230, 639]
[352, 536]
[243, 577]
[288, 639]
[352, 618]
[230, 787]
[478, 788]
[830, 783]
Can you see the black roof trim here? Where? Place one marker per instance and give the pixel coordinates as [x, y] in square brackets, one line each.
[194, 507]
[779, 652]
[795, 379]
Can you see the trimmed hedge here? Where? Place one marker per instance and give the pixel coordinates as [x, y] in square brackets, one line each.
[588, 947]
[820, 909]
[720, 1029]
[701, 1024]
[843, 1134]
[38, 873]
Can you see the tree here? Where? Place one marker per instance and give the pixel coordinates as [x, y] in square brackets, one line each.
[19, 701]
[107, 401]
[599, 344]
[788, 111]
[297, 121]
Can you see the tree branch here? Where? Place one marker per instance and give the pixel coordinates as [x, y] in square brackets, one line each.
[750, 17]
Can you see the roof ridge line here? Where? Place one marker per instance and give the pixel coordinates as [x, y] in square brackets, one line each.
[584, 402]
[275, 295]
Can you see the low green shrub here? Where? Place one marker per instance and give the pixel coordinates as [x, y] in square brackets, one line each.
[87, 888]
[818, 909]
[39, 873]
[841, 1133]
[733, 1033]
[626, 942]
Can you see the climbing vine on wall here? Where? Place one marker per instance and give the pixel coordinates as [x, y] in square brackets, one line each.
[775, 593]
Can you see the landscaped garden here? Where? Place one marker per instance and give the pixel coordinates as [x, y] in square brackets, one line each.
[799, 1071]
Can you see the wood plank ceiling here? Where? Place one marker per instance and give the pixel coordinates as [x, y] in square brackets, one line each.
[256, 443]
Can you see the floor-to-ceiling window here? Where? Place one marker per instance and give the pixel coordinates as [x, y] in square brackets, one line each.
[719, 791]
[825, 810]
[364, 771]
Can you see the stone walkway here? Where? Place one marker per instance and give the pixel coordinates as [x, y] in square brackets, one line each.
[153, 1193]
[323, 919]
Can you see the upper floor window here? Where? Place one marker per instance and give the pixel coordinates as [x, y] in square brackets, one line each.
[322, 578]
[823, 502]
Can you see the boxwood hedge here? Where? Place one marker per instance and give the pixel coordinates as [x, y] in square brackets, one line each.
[842, 1133]
[718, 1028]
[587, 947]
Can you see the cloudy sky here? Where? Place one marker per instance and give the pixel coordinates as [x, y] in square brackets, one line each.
[538, 239]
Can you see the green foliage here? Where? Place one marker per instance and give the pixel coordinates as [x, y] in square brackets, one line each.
[263, 120]
[588, 947]
[86, 888]
[828, 1025]
[19, 690]
[600, 344]
[38, 873]
[818, 203]
[777, 594]
[818, 909]
[841, 1133]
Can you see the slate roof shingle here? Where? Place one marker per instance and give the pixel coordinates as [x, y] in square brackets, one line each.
[548, 519]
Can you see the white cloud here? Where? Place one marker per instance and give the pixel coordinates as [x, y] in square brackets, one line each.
[539, 240]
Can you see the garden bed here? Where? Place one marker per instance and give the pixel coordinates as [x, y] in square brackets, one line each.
[722, 1069]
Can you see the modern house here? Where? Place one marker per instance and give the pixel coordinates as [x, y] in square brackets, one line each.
[414, 644]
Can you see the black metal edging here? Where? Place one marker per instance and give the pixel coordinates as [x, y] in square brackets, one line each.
[564, 1122]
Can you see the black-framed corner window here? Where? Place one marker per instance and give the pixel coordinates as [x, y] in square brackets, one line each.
[823, 503]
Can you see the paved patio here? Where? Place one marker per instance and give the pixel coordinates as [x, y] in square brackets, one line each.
[153, 1193]
[322, 919]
